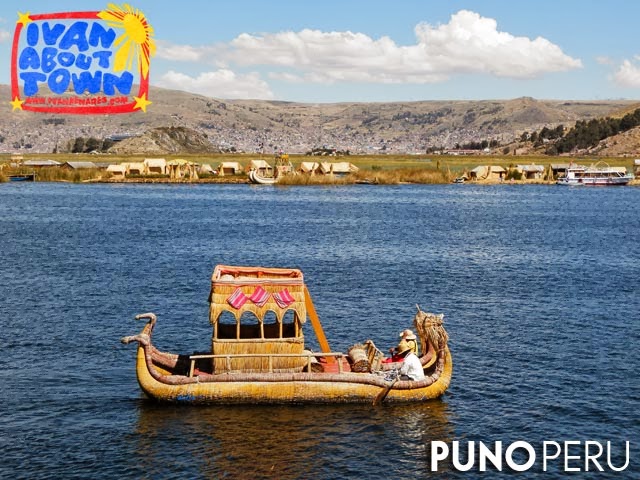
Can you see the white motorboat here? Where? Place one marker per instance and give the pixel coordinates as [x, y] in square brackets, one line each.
[600, 174]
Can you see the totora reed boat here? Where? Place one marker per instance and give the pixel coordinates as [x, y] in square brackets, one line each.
[258, 352]
[283, 167]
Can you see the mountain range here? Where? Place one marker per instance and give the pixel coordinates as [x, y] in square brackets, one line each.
[182, 122]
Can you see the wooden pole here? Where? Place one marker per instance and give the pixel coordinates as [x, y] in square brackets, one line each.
[383, 394]
[317, 326]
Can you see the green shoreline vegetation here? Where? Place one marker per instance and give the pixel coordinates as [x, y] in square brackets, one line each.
[377, 169]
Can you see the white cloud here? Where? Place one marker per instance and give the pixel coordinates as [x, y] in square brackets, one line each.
[469, 43]
[183, 53]
[186, 53]
[628, 75]
[4, 36]
[219, 84]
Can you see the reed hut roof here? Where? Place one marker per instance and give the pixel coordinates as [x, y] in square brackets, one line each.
[79, 165]
[155, 162]
[117, 168]
[232, 165]
[530, 168]
[486, 170]
[344, 167]
[135, 166]
[180, 162]
[308, 167]
[258, 164]
[41, 163]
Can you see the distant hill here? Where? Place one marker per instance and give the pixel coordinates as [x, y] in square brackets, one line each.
[164, 140]
[178, 122]
[627, 143]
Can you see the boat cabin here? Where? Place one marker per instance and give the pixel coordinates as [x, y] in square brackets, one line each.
[257, 316]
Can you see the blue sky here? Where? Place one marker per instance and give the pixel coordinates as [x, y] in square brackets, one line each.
[376, 51]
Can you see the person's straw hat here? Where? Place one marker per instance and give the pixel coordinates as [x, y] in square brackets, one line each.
[403, 347]
[407, 334]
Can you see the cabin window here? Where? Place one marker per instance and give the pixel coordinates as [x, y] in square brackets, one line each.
[226, 327]
[271, 325]
[290, 325]
[250, 326]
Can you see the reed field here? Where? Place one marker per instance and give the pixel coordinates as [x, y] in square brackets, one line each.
[50, 174]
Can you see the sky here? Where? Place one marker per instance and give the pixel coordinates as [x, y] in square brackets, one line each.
[378, 51]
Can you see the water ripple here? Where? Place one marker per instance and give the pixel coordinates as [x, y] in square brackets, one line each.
[538, 286]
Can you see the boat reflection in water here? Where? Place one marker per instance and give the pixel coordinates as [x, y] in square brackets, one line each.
[265, 441]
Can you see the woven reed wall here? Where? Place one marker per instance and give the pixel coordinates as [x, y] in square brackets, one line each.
[258, 364]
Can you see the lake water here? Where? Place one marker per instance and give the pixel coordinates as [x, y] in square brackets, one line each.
[539, 287]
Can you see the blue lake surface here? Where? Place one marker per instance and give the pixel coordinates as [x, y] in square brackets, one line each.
[539, 286]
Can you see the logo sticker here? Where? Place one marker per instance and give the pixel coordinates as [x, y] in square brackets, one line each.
[82, 62]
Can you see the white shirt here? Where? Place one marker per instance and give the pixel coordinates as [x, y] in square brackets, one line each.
[411, 367]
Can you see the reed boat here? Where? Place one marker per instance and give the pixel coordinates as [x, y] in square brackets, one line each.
[257, 178]
[283, 166]
[258, 354]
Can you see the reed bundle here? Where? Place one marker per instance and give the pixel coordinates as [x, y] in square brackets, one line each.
[430, 328]
[359, 359]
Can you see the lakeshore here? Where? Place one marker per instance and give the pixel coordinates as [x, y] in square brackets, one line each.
[371, 169]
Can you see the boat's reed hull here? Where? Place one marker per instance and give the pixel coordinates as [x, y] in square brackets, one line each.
[291, 389]
[255, 177]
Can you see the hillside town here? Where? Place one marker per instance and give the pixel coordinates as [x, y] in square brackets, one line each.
[246, 139]
[264, 127]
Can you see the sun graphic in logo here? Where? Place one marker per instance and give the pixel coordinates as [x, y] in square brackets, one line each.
[136, 42]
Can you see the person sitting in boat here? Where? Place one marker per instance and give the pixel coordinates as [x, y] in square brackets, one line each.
[410, 337]
[405, 336]
[411, 368]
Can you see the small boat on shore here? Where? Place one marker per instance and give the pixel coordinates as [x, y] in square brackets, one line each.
[259, 355]
[26, 177]
[600, 174]
[283, 166]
